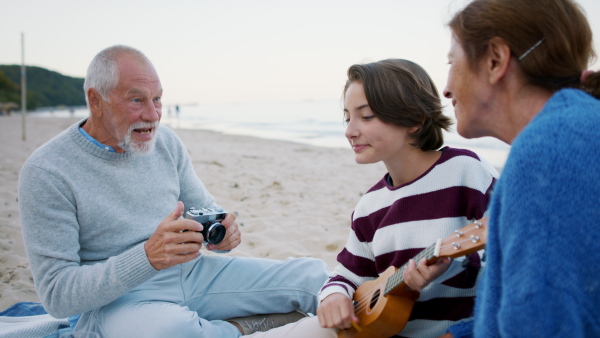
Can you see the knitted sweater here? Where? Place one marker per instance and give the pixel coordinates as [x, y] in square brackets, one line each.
[390, 225]
[87, 212]
[543, 275]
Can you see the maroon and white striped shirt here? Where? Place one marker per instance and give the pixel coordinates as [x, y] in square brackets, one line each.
[391, 225]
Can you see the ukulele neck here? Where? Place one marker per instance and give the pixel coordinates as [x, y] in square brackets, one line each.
[431, 254]
[463, 242]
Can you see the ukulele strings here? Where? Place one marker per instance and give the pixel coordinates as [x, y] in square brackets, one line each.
[363, 302]
[398, 276]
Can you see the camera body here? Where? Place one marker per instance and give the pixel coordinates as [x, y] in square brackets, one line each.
[210, 218]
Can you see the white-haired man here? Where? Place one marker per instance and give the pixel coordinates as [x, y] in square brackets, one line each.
[100, 207]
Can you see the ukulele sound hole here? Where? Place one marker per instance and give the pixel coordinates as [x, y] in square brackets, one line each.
[374, 299]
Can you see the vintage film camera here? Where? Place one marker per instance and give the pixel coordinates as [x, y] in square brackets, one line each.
[210, 218]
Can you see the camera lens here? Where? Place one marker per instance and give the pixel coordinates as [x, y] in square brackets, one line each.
[214, 233]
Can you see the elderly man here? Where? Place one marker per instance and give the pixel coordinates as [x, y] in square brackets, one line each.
[101, 208]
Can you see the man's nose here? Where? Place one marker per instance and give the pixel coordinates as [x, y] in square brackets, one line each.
[152, 111]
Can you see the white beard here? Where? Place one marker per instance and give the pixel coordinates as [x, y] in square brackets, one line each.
[139, 148]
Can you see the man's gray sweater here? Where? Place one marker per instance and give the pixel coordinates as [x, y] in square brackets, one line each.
[87, 212]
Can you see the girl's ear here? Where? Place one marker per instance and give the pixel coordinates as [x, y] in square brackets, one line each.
[414, 129]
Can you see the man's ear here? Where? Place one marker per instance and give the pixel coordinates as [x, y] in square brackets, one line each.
[95, 101]
[498, 57]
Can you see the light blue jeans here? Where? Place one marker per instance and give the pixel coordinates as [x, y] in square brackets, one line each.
[193, 299]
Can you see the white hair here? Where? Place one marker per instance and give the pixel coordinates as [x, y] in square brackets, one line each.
[103, 73]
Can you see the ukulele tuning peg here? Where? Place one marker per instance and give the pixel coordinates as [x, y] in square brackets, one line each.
[478, 224]
[475, 239]
[458, 233]
[456, 245]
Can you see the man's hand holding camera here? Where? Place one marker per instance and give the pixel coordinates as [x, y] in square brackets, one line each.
[178, 240]
[233, 236]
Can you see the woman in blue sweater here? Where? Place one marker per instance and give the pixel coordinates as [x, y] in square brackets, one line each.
[518, 73]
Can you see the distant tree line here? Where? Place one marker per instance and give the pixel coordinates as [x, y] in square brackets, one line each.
[9, 92]
[45, 88]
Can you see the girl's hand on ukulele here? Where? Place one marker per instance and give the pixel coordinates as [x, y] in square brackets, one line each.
[336, 311]
[417, 277]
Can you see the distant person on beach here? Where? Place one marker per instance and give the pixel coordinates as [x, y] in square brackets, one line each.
[101, 208]
[518, 72]
[394, 114]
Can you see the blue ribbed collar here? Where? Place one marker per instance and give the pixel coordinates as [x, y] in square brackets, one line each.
[94, 141]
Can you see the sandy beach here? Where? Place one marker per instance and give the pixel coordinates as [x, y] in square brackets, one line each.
[292, 200]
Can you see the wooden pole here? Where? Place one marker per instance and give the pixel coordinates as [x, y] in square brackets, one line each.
[23, 83]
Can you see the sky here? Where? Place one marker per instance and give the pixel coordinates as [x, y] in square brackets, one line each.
[213, 51]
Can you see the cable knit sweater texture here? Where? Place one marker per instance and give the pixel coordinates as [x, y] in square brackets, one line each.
[543, 268]
[86, 214]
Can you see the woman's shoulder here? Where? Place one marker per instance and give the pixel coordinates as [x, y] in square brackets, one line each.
[569, 106]
[567, 119]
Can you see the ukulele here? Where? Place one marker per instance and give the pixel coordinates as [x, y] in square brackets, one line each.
[383, 305]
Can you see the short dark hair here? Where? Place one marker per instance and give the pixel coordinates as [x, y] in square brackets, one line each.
[400, 92]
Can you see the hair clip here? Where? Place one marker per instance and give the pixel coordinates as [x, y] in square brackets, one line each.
[530, 49]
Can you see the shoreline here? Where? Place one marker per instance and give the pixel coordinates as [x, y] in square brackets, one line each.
[492, 150]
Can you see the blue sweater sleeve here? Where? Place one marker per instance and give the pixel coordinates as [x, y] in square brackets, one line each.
[462, 329]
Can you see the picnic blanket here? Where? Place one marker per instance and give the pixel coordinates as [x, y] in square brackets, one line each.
[30, 320]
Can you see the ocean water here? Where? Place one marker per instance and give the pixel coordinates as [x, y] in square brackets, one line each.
[318, 123]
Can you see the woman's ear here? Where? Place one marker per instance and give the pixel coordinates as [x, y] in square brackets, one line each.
[497, 59]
